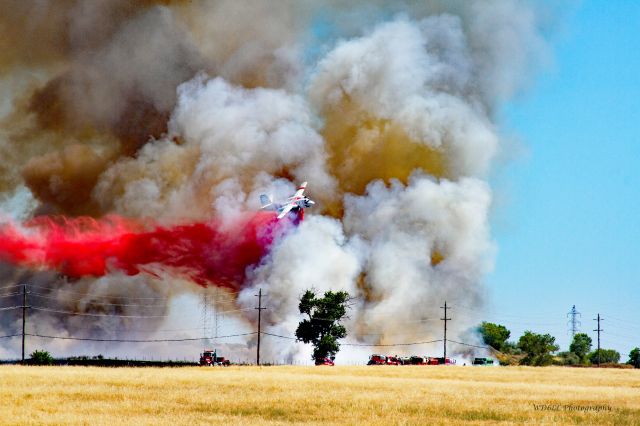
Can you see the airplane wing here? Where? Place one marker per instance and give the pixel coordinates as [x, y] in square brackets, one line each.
[286, 210]
[300, 190]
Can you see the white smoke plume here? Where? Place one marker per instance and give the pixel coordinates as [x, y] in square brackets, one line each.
[234, 141]
[183, 110]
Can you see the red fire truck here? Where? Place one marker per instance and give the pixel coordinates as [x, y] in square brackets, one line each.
[326, 361]
[393, 360]
[376, 359]
[210, 358]
[446, 361]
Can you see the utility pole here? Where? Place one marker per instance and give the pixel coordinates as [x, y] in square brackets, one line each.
[259, 308]
[445, 319]
[598, 330]
[574, 322]
[24, 316]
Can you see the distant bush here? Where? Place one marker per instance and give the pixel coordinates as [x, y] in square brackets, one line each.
[509, 359]
[607, 356]
[40, 358]
[566, 358]
[85, 357]
[616, 365]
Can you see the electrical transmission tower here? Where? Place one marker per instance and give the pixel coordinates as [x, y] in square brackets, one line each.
[216, 328]
[598, 329]
[445, 319]
[575, 323]
[205, 315]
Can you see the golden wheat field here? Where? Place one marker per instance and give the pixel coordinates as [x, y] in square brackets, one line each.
[318, 395]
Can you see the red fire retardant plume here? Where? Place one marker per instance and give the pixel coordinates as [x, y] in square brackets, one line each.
[212, 252]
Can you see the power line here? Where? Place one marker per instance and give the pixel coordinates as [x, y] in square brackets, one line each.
[473, 346]
[523, 324]
[625, 327]
[10, 335]
[278, 335]
[359, 344]
[621, 320]
[98, 303]
[90, 297]
[88, 294]
[188, 339]
[258, 333]
[392, 344]
[10, 286]
[10, 294]
[8, 308]
[410, 333]
[168, 330]
[89, 314]
[491, 312]
[628, 338]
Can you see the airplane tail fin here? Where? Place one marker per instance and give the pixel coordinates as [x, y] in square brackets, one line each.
[266, 202]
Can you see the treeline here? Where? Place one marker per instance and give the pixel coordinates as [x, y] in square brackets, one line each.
[541, 349]
[42, 357]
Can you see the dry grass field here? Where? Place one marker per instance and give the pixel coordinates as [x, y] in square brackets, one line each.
[318, 395]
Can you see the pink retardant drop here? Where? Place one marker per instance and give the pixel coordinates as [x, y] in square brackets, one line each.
[214, 252]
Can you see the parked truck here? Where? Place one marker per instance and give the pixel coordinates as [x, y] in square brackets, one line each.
[445, 361]
[483, 361]
[376, 359]
[394, 360]
[326, 361]
[210, 358]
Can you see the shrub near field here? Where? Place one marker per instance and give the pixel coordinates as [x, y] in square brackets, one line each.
[318, 395]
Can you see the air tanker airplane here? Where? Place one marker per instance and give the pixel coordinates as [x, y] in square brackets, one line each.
[297, 203]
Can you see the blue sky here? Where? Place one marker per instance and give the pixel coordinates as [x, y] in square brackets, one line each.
[567, 220]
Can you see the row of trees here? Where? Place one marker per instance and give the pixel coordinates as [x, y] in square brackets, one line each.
[538, 349]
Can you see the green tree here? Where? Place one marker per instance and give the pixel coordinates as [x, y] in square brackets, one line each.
[538, 348]
[568, 358]
[40, 358]
[634, 357]
[607, 356]
[510, 348]
[494, 335]
[581, 345]
[323, 329]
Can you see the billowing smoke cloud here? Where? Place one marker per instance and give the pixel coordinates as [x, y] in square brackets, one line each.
[186, 111]
[233, 143]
